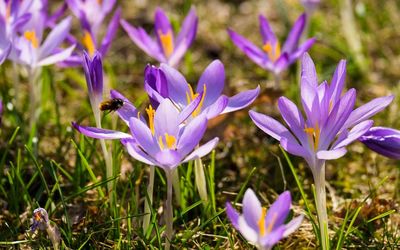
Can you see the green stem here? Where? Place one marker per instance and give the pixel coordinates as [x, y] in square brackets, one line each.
[148, 202]
[168, 210]
[319, 179]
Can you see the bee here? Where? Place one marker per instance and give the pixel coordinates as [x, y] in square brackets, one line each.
[111, 104]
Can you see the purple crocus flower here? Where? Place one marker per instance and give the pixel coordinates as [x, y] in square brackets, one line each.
[89, 40]
[167, 48]
[29, 49]
[167, 82]
[93, 68]
[384, 141]
[165, 142]
[310, 5]
[261, 228]
[330, 125]
[41, 222]
[271, 56]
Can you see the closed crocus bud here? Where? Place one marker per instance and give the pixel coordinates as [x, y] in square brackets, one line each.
[384, 141]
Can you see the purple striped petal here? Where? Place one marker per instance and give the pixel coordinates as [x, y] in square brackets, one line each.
[213, 78]
[203, 150]
[279, 211]
[137, 153]
[293, 118]
[55, 37]
[217, 107]
[331, 154]
[142, 134]
[251, 209]
[232, 214]
[293, 225]
[355, 133]
[177, 85]
[111, 31]
[168, 159]
[192, 134]
[266, 32]
[166, 120]
[384, 141]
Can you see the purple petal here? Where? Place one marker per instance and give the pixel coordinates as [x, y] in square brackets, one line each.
[331, 154]
[293, 225]
[355, 133]
[252, 210]
[128, 110]
[142, 134]
[189, 109]
[338, 81]
[241, 100]
[272, 238]
[93, 69]
[233, 215]
[155, 84]
[137, 153]
[161, 23]
[367, 110]
[293, 147]
[303, 48]
[308, 72]
[99, 133]
[185, 37]
[217, 107]
[270, 126]
[168, 159]
[292, 40]
[177, 85]
[281, 64]
[57, 57]
[166, 119]
[266, 31]
[55, 37]
[192, 134]
[213, 78]
[144, 41]
[111, 31]
[252, 51]
[279, 210]
[202, 150]
[385, 141]
[293, 118]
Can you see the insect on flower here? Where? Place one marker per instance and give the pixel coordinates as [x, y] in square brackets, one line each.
[111, 105]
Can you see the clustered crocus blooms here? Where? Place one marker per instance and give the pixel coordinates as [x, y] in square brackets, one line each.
[261, 227]
[41, 222]
[167, 48]
[384, 141]
[271, 55]
[91, 14]
[331, 124]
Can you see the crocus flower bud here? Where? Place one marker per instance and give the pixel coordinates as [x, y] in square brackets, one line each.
[384, 141]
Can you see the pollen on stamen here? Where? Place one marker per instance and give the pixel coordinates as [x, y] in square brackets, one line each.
[31, 37]
[273, 52]
[150, 113]
[167, 42]
[88, 43]
[261, 221]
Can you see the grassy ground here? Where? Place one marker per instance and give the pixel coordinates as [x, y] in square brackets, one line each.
[64, 172]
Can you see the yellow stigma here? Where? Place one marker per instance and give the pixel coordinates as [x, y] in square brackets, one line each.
[261, 221]
[166, 42]
[88, 43]
[31, 37]
[170, 141]
[150, 113]
[274, 52]
[313, 136]
[190, 96]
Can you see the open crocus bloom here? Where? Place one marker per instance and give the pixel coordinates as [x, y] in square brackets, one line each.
[271, 56]
[30, 51]
[384, 141]
[165, 141]
[167, 82]
[332, 122]
[262, 227]
[167, 48]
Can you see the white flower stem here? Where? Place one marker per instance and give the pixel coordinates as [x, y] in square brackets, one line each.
[277, 80]
[319, 179]
[168, 211]
[200, 179]
[176, 185]
[34, 96]
[148, 202]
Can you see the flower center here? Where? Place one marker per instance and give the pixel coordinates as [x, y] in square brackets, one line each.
[273, 51]
[190, 96]
[8, 10]
[170, 141]
[150, 113]
[88, 43]
[261, 221]
[166, 42]
[313, 136]
[32, 38]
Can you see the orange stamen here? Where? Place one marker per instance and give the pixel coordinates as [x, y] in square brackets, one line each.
[261, 221]
[31, 37]
[273, 52]
[150, 113]
[88, 43]
[166, 42]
